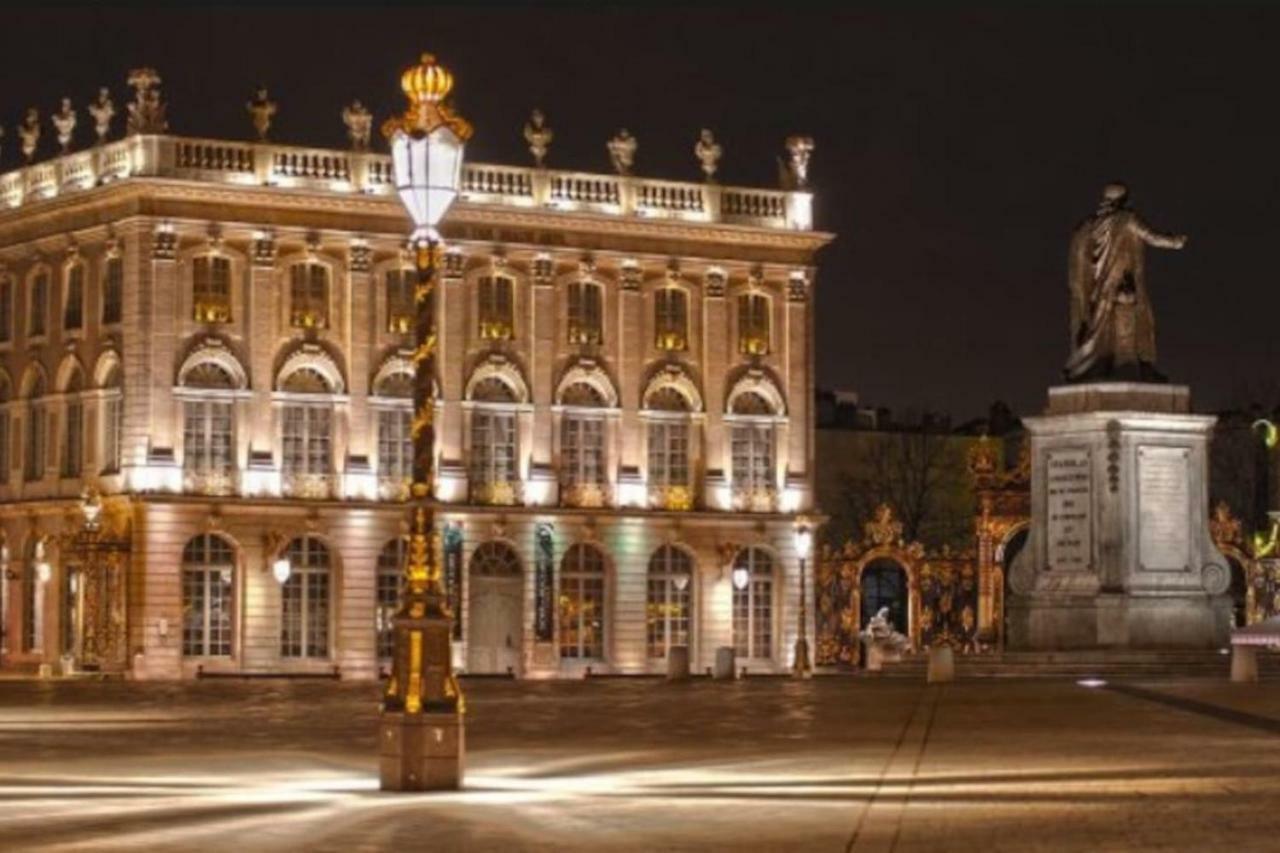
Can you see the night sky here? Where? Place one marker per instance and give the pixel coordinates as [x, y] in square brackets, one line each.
[955, 151]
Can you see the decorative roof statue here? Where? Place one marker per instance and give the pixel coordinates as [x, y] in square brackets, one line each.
[1113, 330]
[801, 149]
[29, 131]
[102, 110]
[708, 152]
[146, 113]
[622, 151]
[359, 122]
[262, 108]
[539, 136]
[64, 121]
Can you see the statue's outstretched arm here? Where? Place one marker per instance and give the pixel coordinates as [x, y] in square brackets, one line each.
[1154, 238]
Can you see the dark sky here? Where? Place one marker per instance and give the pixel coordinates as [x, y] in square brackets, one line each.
[955, 151]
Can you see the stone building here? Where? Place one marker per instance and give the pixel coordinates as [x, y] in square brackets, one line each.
[214, 335]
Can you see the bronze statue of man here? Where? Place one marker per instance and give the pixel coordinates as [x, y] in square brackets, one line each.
[1113, 334]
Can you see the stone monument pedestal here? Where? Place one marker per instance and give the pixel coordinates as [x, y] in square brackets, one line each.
[1119, 553]
[421, 752]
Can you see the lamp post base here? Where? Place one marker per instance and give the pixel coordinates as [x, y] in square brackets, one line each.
[800, 668]
[421, 752]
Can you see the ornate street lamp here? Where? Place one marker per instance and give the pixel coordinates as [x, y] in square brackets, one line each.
[804, 544]
[421, 738]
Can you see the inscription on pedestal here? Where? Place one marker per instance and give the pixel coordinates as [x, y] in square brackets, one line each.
[1069, 532]
[1164, 509]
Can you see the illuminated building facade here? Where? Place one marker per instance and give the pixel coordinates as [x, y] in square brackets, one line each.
[215, 335]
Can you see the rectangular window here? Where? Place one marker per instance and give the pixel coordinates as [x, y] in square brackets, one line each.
[73, 440]
[113, 434]
[113, 292]
[211, 289]
[493, 447]
[753, 457]
[753, 324]
[399, 285]
[73, 308]
[304, 629]
[308, 440]
[33, 461]
[671, 318]
[206, 600]
[496, 308]
[4, 447]
[395, 444]
[39, 308]
[309, 296]
[6, 310]
[668, 453]
[207, 436]
[586, 313]
[582, 450]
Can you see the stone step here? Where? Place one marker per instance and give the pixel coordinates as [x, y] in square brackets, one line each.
[1115, 664]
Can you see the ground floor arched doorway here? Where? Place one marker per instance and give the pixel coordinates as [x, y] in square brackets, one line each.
[495, 624]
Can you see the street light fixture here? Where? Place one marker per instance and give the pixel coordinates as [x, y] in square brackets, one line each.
[421, 739]
[804, 545]
[281, 569]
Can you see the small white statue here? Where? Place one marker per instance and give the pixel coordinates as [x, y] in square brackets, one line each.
[800, 148]
[622, 151]
[64, 121]
[29, 131]
[359, 122]
[708, 152]
[881, 641]
[262, 108]
[538, 135]
[102, 110]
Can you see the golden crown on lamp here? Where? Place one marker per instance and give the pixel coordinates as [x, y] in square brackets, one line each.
[426, 85]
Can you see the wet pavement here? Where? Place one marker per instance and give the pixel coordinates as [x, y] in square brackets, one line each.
[640, 764]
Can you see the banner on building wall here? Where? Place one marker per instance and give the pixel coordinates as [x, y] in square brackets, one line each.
[453, 574]
[544, 584]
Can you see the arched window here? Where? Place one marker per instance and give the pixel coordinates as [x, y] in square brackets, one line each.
[387, 583]
[307, 436]
[492, 468]
[671, 318]
[113, 291]
[752, 439]
[394, 408]
[73, 299]
[582, 603]
[753, 324]
[38, 305]
[309, 296]
[73, 428]
[6, 309]
[208, 584]
[398, 284]
[496, 308]
[667, 610]
[582, 445]
[668, 439]
[304, 600]
[112, 422]
[586, 312]
[208, 428]
[753, 604]
[211, 288]
[5, 461]
[34, 448]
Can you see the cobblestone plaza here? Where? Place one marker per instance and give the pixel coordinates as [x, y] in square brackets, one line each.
[839, 763]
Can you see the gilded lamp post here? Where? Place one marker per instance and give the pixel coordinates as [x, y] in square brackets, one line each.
[421, 738]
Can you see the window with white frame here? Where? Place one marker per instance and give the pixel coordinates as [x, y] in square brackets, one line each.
[586, 312]
[208, 586]
[753, 324]
[306, 434]
[668, 439]
[752, 447]
[211, 289]
[496, 307]
[582, 603]
[6, 310]
[73, 428]
[208, 426]
[388, 582]
[670, 589]
[36, 429]
[304, 600]
[112, 422]
[73, 301]
[398, 286]
[393, 404]
[753, 604]
[113, 291]
[309, 296]
[671, 318]
[5, 462]
[582, 437]
[492, 468]
[38, 305]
